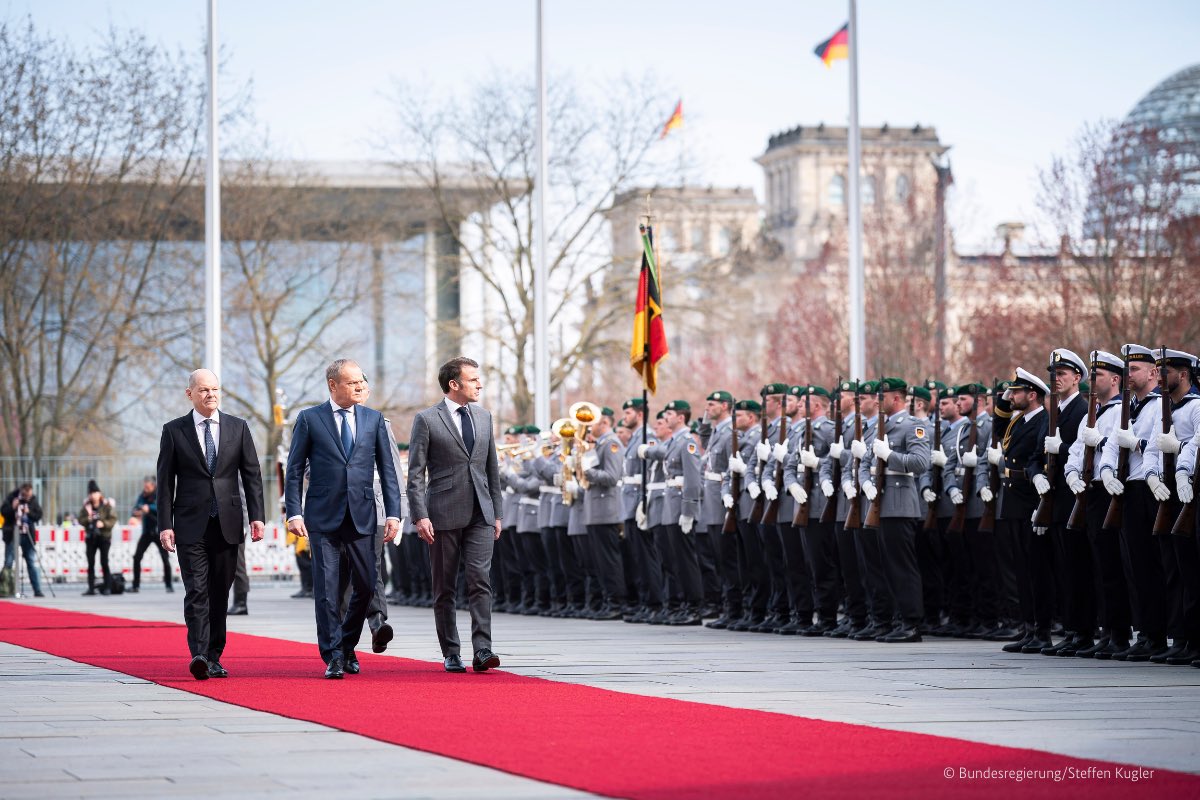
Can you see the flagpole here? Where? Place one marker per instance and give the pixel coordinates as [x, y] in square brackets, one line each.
[856, 310]
[541, 340]
[647, 367]
[212, 210]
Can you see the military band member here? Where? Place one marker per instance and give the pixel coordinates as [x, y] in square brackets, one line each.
[857, 613]
[1143, 561]
[506, 557]
[643, 553]
[602, 466]
[751, 595]
[535, 570]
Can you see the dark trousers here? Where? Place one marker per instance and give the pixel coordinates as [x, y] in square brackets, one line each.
[207, 568]
[574, 578]
[535, 570]
[510, 563]
[732, 584]
[685, 566]
[1005, 550]
[981, 572]
[820, 550]
[1108, 574]
[98, 545]
[958, 570]
[1143, 561]
[241, 578]
[898, 546]
[398, 577]
[343, 549]
[147, 539]
[377, 607]
[1035, 574]
[605, 546]
[472, 546]
[593, 594]
[772, 550]
[648, 563]
[419, 568]
[753, 568]
[304, 565]
[856, 591]
[795, 573]
[933, 561]
[556, 578]
[874, 578]
[707, 545]
[1074, 553]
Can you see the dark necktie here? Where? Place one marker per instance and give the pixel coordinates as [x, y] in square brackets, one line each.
[210, 456]
[347, 439]
[468, 432]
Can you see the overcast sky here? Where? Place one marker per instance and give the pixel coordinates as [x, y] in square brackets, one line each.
[1006, 84]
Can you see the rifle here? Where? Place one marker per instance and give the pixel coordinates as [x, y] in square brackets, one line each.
[931, 512]
[1185, 524]
[1078, 519]
[829, 515]
[967, 486]
[1044, 516]
[879, 476]
[735, 480]
[1163, 521]
[802, 509]
[1112, 519]
[771, 516]
[854, 508]
[987, 523]
[756, 513]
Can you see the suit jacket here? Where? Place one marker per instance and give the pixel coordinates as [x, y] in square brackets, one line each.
[444, 480]
[336, 483]
[186, 487]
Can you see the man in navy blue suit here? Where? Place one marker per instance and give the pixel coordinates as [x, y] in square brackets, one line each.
[340, 444]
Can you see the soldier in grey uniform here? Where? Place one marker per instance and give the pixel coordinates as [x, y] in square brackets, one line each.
[717, 442]
[553, 518]
[536, 579]
[602, 467]
[778, 609]
[904, 446]
[506, 569]
[820, 548]
[796, 576]
[750, 597]
[940, 554]
[866, 541]
[638, 543]
[854, 590]
[651, 522]
[680, 456]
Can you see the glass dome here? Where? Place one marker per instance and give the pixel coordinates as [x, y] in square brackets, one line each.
[1172, 108]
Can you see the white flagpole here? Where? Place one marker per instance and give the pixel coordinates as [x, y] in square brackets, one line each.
[857, 325]
[541, 339]
[212, 211]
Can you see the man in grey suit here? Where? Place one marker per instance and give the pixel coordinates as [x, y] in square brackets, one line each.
[454, 494]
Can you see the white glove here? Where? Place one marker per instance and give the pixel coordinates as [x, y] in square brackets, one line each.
[956, 496]
[1075, 483]
[754, 489]
[827, 488]
[1041, 483]
[938, 457]
[762, 450]
[557, 478]
[641, 451]
[835, 450]
[686, 524]
[675, 483]
[1007, 394]
[882, 449]
[569, 462]
[929, 495]
[995, 455]
[571, 488]
[1126, 439]
[727, 500]
[798, 494]
[1183, 486]
[1053, 444]
[736, 465]
[808, 458]
[769, 490]
[1091, 436]
[970, 459]
[1157, 488]
[985, 494]
[869, 491]
[1168, 442]
[849, 490]
[640, 516]
[780, 451]
[858, 448]
[1111, 484]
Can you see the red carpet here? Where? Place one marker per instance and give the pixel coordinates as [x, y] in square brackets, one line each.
[609, 743]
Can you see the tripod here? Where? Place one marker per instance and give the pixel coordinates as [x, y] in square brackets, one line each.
[22, 535]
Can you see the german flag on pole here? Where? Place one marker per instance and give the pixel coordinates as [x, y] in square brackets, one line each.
[649, 334]
[836, 47]
[676, 120]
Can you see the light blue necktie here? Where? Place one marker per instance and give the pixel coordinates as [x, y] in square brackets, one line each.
[347, 439]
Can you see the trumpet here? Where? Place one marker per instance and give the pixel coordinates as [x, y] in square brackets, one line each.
[522, 450]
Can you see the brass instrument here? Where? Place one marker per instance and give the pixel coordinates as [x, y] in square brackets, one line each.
[524, 451]
[564, 429]
[585, 415]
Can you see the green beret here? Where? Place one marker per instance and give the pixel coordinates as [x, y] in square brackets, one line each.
[775, 388]
[970, 389]
[748, 405]
[867, 387]
[606, 412]
[659, 415]
[821, 390]
[512, 430]
[934, 385]
[720, 396]
[677, 405]
[847, 386]
[892, 385]
[798, 391]
[1001, 386]
[922, 393]
[633, 402]
[532, 430]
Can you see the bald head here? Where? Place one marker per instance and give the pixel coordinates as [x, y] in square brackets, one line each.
[204, 391]
[199, 374]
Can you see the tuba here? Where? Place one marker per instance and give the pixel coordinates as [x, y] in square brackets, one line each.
[564, 429]
[584, 415]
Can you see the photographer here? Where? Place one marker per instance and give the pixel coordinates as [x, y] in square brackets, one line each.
[22, 513]
[145, 509]
[98, 517]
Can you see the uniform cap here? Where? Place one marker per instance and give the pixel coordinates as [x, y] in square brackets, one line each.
[607, 412]
[1102, 359]
[970, 390]
[1062, 357]
[748, 405]
[633, 402]
[868, 387]
[512, 430]
[775, 388]
[892, 385]
[1174, 358]
[936, 385]
[677, 405]
[848, 386]
[821, 390]
[720, 396]
[1027, 380]
[921, 392]
[799, 390]
[532, 430]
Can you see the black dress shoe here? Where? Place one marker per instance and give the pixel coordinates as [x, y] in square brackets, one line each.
[133, 590]
[336, 667]
[301, 593]
[1185, 657]
[1177, 647]
[199, 668]
[215, 670]
[453, 663]
[1077, 645]
[818, 628]
[843, 629]
[608, 613]
[171, 589]
[1040, 641]
[718, 624]
[380, 638]
[484, 660]
[686, 617]
[769, 624]
[1144, 650]
[91, 590]
[351, 665]
[868, 632]
[793, 628]
[660, 617]
[1110, 650]
[1055, 649]
[746, 622]
[1090, 652]
[1004, 633]
[238, 609]
[902, 635]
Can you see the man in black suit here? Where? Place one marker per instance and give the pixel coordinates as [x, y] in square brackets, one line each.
[201, 457]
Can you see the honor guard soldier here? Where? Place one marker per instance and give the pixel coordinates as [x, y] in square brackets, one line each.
[866, 540]
[778, 609]
[602, 466]
[746, 605]
[940, 554]
[835, 471]
[801, 471]
[796, 575]
[714, 464]
[506, 556]
[647, 562]
[903, 446]
[654, 522]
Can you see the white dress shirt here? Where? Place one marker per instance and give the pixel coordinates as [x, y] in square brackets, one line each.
[337, 418]
[455, 416]
[215, 427]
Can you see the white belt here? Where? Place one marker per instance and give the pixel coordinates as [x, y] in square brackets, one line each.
[549, 490]
[960, 472]
[713, 476]
[632, 480]
[530, 501]
[656, 486]
[897, 472]
[675, 483]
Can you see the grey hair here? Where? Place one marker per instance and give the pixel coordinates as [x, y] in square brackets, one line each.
[196, 372]
[334, 370]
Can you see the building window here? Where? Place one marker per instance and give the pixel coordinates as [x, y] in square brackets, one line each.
[837, 191]
[868, 190]
[902, 189]
[697, 239]
[724, 241]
